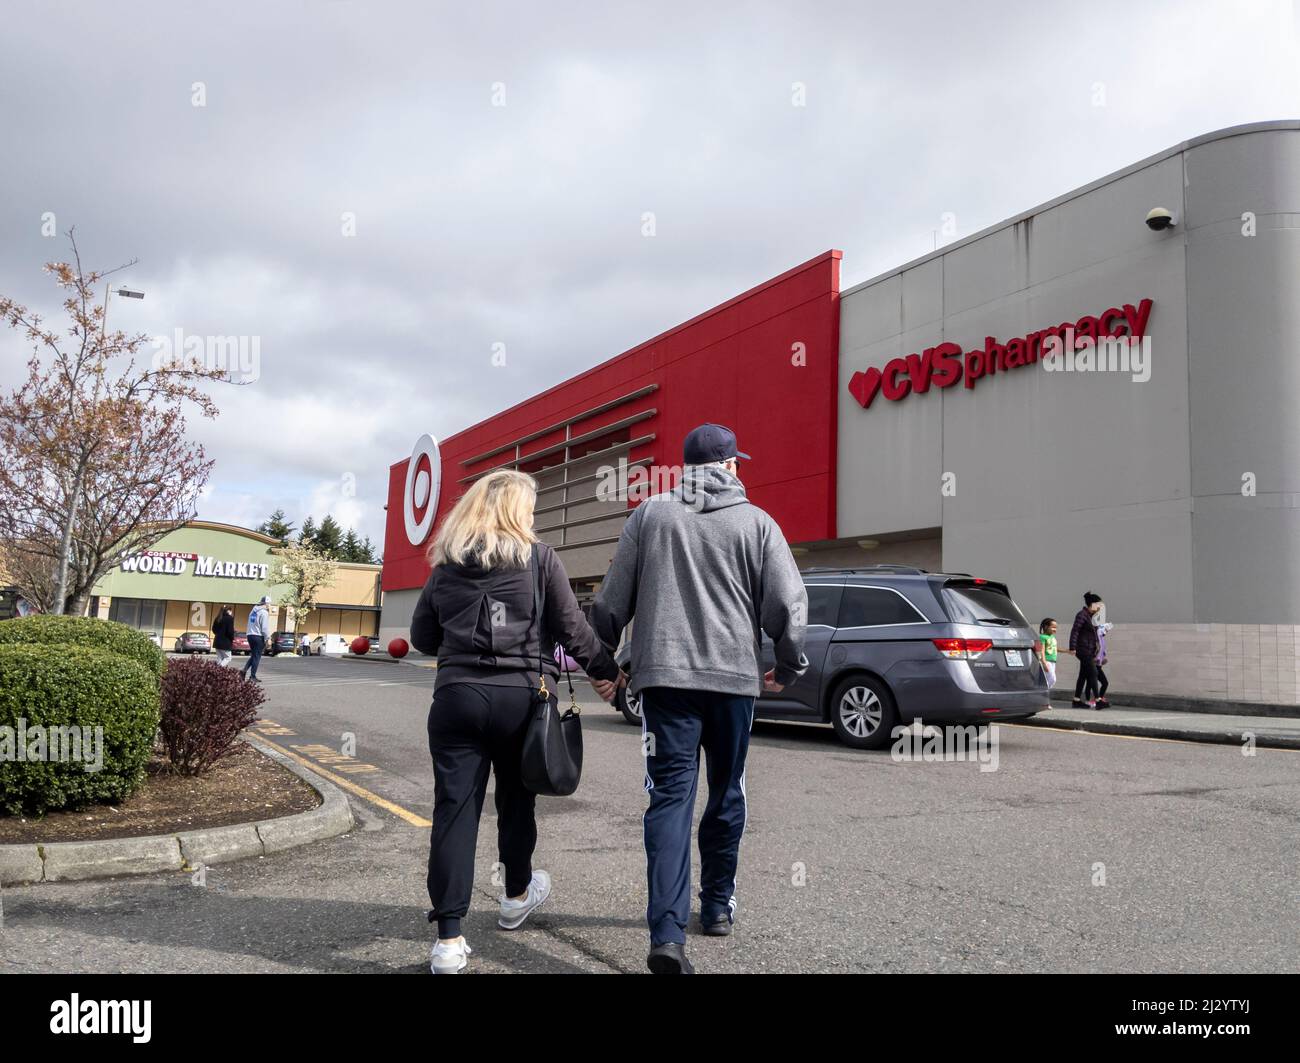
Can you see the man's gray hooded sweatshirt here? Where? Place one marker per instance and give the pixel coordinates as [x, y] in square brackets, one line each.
[704, 572]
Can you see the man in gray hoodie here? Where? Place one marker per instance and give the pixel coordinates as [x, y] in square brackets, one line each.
[705, 573]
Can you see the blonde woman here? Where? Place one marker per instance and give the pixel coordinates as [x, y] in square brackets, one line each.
[476, 614]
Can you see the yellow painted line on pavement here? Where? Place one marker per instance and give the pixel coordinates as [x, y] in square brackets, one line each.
[1140, 738]
[350, 786]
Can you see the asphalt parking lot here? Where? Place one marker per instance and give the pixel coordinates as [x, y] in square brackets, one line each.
[1081, 852]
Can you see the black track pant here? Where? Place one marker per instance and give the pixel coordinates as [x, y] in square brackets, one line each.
[474, 727]
[1085, 687]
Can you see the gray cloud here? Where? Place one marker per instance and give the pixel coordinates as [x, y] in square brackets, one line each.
[522, 224]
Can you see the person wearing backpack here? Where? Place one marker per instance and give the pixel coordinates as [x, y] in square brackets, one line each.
[478, 615]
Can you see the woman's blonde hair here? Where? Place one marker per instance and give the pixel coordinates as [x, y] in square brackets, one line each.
[491, 525]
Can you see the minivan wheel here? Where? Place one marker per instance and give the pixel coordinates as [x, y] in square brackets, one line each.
[863, 713]
[629, 705]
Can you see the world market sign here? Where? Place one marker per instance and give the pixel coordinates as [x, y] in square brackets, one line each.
[169, 563]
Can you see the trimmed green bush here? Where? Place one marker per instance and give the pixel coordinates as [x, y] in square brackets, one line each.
[85, 631]
[61, 686]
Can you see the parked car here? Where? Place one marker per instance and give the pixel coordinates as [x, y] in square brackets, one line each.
[193, 642]
[281, 642]
[890, 644]
[330, 645]
[239, 646]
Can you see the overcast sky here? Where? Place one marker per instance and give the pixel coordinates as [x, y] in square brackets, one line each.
[478, 224]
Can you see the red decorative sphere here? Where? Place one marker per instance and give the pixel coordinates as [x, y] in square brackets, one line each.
[398, 648]
[360, 645]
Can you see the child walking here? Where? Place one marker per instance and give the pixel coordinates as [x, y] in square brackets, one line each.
[1046, 649]
[1099, 622]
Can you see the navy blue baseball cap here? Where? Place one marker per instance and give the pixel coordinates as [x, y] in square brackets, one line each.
[710, 442]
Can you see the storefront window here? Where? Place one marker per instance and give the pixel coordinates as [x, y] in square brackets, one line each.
[143, 614]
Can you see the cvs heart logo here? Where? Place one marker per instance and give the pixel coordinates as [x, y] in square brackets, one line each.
[864, 386]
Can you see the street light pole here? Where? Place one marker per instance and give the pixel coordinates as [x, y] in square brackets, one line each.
[126, 293]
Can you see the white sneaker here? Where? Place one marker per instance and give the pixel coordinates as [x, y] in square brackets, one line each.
[513, 913]
[449, 957]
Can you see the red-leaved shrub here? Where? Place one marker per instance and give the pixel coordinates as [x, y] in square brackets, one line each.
[204, 708]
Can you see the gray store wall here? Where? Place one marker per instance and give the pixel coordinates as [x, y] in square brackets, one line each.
[1244, 336]
[1071, 481]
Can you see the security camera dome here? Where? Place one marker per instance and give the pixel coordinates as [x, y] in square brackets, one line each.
[1159, 218]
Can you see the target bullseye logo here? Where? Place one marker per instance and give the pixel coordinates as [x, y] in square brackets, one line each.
[420, 496]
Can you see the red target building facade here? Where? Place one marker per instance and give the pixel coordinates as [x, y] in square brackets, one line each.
[764, 363]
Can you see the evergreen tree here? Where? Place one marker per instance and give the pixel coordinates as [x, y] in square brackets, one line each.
[350, 550]
[368, 555]
[329, 538]
[307, 536]
[276, 527]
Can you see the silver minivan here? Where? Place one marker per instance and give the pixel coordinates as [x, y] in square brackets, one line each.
[890, 644]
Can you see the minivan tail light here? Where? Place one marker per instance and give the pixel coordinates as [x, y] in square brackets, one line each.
[963, 649]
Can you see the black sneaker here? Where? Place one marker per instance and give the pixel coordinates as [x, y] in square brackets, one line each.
[1077, 704]
[717, 928]
[1102, 703]
[669, 958]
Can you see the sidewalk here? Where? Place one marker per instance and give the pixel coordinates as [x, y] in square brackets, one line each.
[1269, 731]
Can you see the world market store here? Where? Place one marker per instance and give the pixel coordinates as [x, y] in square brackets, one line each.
[182, 580]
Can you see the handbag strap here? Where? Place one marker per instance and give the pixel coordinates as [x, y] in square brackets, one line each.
[538, 619]
[564, 663]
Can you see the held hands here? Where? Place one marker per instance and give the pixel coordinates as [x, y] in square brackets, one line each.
[606, 688]
[770, 685]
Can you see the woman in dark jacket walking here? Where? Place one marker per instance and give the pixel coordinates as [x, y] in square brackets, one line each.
[223, 635]
[476, 614]
[1084, 645]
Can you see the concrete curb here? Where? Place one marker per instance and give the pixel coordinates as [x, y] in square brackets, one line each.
[187, 850]
[1203, 705]
[1185, 734]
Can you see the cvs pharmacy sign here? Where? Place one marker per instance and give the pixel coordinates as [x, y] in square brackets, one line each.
[947, 364]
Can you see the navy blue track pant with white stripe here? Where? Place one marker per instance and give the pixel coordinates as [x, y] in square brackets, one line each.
[678, 724]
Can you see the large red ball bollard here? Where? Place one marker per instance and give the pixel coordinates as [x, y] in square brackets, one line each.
[398, 648]
[360, 645]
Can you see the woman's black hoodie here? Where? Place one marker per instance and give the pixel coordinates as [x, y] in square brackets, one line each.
[480, 624]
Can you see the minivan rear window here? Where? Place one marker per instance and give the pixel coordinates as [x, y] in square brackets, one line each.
[970, 603]
[876, 607]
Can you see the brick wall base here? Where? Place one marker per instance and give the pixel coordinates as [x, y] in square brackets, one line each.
[1217, 662]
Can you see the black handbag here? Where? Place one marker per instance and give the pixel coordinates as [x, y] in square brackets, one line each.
[552, 758]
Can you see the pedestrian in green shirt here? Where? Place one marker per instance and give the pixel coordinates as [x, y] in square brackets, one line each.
[1046, 650]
